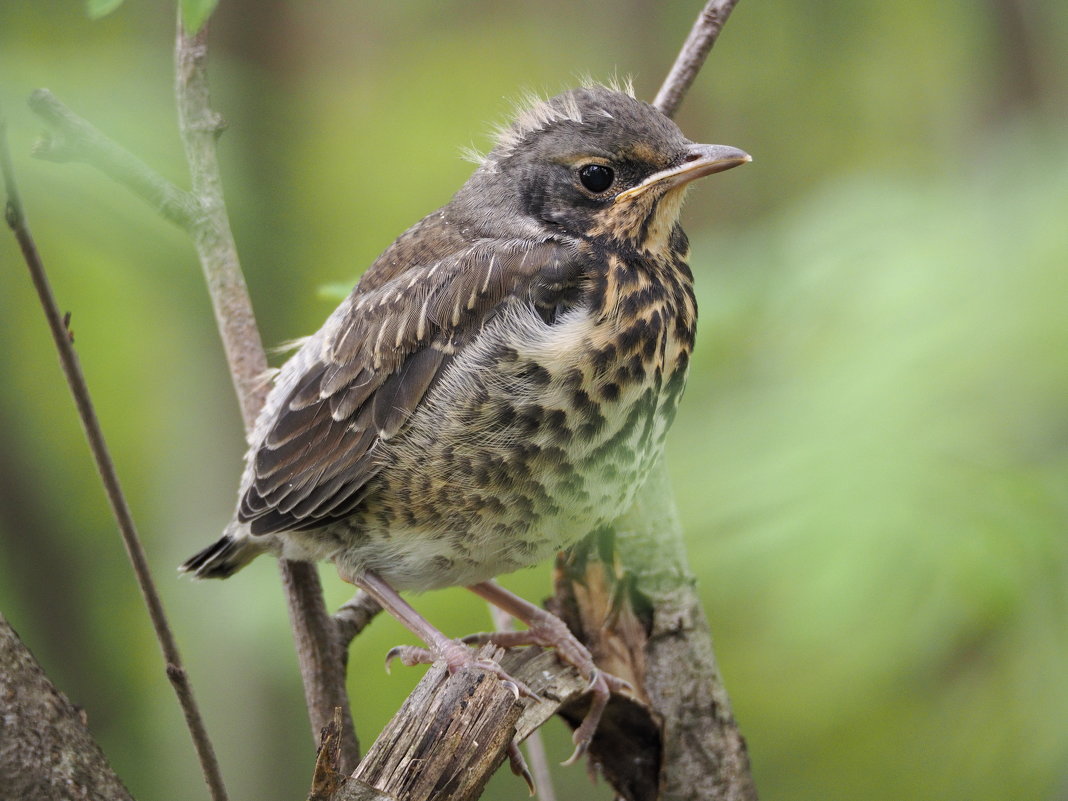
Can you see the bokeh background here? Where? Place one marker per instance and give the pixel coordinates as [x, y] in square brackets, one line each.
[872, 458]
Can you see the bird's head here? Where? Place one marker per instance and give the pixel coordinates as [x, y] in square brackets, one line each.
[596, 162]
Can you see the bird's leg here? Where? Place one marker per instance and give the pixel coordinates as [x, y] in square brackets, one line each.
[546, 629]
[455, 654]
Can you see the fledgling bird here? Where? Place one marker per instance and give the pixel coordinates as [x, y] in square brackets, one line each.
[499, 382]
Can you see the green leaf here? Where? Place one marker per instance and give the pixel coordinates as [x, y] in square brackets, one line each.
[195, 13]
[101, 8]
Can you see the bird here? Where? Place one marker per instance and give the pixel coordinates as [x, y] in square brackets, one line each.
[499, 382]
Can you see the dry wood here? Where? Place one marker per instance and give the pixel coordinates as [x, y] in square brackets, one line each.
[453, 731]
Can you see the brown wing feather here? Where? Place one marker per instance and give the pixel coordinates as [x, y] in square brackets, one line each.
[396, 334]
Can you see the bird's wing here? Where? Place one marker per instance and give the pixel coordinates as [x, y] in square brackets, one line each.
[382, 351]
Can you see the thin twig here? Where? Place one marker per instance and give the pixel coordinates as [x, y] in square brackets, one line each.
[72, 370]
[691, 58]
[200, 128]
[76, 139]
[319, 653]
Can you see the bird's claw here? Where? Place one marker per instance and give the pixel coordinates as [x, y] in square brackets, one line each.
[600, 689]
[519, 766]
[615, 683]
[409, 656]
[455, 659]
[518, 688]
[551, 632]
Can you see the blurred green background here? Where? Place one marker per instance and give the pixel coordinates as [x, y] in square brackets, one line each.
[872, 458]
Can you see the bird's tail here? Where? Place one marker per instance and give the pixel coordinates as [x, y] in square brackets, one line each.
[225, 556]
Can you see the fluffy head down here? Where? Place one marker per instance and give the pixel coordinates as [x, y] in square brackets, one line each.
[534, 113]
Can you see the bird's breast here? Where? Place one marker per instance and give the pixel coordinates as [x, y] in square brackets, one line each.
[536, 434]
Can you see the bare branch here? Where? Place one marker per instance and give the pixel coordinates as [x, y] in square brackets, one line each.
[692, 57]
[320, 655]
[75, 139]
[72, 370]
[319, 652]
[200, 127]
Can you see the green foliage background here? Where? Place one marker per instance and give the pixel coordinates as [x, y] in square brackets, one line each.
[872, 459]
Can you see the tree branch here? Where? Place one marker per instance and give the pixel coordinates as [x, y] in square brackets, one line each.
[354, 616]
[692, 57]
[75, 139]
[319, 653]
[72, 370]
[46, 750]
[200, 127]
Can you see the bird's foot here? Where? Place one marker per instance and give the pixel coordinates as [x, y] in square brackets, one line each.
[547, 630]
[457, 656]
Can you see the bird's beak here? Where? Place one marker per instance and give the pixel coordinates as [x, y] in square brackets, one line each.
[700, 160]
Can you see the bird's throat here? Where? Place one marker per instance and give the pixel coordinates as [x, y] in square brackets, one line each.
[645, 221]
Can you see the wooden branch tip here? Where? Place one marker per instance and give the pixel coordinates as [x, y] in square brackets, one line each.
[327, 777]
[454, 730]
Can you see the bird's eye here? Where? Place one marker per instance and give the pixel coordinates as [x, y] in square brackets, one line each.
[596, 177]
